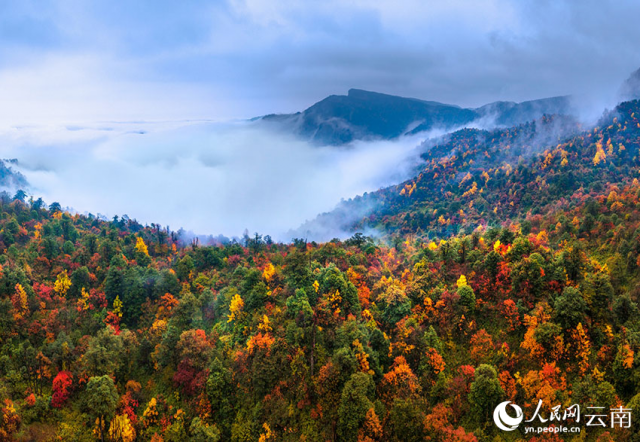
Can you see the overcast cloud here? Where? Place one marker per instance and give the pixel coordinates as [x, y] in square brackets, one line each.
[76, 60]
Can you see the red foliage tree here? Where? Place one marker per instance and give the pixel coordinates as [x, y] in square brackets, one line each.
[62, 385]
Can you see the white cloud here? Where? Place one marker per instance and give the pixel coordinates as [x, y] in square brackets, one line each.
[77, 60]
[209, 178]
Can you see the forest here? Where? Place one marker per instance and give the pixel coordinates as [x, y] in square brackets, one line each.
[506, 270]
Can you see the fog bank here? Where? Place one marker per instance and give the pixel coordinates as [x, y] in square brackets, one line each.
[209, 178]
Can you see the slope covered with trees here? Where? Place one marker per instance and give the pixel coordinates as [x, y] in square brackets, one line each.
[478, 177]
[500, 281]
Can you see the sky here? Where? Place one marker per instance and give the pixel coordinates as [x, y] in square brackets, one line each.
[139, 107]
[74, 61]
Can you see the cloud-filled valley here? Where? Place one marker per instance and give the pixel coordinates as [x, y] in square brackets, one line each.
[209, 178]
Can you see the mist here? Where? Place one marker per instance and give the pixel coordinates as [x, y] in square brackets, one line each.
[225, 178]
[209, 178]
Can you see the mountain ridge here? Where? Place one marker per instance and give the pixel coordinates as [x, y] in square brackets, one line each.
[366, 115]
[476, 177]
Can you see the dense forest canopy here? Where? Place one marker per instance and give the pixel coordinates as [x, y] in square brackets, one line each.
[501, 276]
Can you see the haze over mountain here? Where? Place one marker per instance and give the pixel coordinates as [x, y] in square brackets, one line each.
[514, 139]
[340, 119]
[630, 89]
[11, 179]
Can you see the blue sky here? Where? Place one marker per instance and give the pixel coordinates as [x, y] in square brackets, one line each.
[73, 60]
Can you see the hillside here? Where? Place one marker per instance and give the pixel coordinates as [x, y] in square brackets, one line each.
[338, 341]
[207, 235]
[340, 119]
[11, 179]
[477, 177]
[501, 282]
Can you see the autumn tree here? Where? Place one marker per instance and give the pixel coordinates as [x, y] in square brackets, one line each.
[481, 346]
[142, 253]
[62, 385]
[101, 400]
[193, 348]
[121, 429]
[396, 304]
[466, 294]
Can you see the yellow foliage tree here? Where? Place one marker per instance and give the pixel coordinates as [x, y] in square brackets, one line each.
[529, 342]
[62, 284]
[582, 348]
[83, 300]
[237, 304]
[121, 429]
[471, 191]
[150, 415]
[37, 231]
[265, 324]
[462, 281]
[609, 147]
[267, 434]
[141, 247]
[22, 297]
[268, 272]
[19, 300]
[335, 299]
[362, 357]
[117, 307]
[600, 154]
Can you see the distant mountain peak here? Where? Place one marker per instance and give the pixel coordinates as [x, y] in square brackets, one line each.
[362, 94]
[353, 92]
[362, 114]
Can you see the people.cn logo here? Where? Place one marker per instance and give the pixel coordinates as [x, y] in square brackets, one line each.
[502, 418]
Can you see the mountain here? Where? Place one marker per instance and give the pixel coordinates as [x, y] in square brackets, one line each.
[413, 339]
[508, 113]
[408, 340]
[511, 274]
[11, 179]
[340, 119]
[476, 177]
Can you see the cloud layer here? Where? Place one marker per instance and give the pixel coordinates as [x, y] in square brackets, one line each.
[205, 177]
[84, 61]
